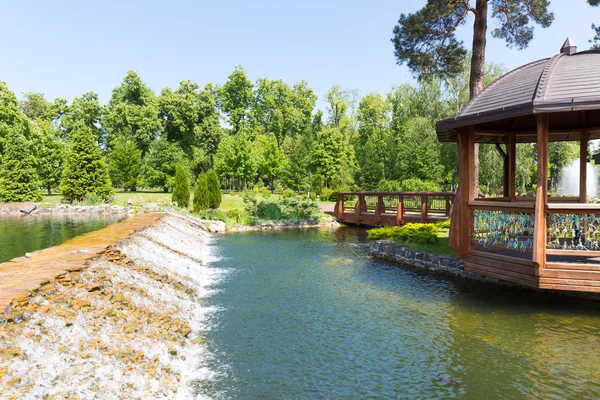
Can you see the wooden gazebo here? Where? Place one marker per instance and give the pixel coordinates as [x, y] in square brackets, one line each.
[540, 241]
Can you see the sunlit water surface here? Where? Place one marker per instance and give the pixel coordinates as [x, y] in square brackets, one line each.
[23, 234]
[307, 314]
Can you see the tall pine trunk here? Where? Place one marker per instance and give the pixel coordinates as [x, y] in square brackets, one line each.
[478, 66]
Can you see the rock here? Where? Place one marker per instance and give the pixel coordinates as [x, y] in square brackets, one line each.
[216, 226]
[27, 255]
[28, 208]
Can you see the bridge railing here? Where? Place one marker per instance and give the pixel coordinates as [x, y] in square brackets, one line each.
[393, 208]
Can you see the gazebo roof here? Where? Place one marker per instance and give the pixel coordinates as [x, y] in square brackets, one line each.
[567, 86]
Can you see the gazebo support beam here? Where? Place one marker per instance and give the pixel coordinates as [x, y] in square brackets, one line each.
[462, 219]
[511, 170]
[541, 196]
[583, 154]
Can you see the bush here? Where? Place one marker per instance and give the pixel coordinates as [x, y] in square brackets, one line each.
[415, 233]
[288, 193]
[255, 189]
[181, 188]
[92, 199]
[417, 185]
[214, 189]
[388, 186]
[238, 216]
[265, 192]
[326, 193]
[201, 198]
[443, 224]
[277, 208]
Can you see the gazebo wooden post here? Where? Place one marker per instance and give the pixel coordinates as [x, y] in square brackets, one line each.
[541, 196]
[511, 155]
[583, 154]
[462, 220]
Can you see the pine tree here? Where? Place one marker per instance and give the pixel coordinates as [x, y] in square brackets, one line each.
[84, 171]
[201, 196]
[214, 189]
[18, 176]
[181, 189]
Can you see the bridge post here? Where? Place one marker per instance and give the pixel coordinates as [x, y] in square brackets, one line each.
[423, 208]
[379, 209]
[400, 211]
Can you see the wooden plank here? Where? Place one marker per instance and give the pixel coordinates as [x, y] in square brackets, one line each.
[583, 154]
[539, 231]
[502, 257]
[572, 266]
[571, 274]
[570, 288]
[502, 265]
[525, 280]
[560, 252]
[480, 204]
[570, 282]
[566, 208]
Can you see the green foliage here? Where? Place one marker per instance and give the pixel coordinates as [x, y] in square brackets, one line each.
[282, 208]
[18, 177]
[124, 161]
[265, 192]
[92, 199]
[445, 225]
[288, 193]
[181, 188]
[201, 195]
[158, 168]
[49, 152]
[235, 98]
[417, 185]
[214, 189]
[84, 171]
[409, 233]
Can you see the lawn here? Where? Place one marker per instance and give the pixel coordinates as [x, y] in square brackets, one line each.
[121, 198]
[441, 246]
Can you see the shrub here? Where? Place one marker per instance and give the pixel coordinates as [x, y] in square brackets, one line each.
[214, 189]
[443, 224]
[181, 188]
[238, 216]
[201, 200]
[288, 193]
[326, 193]
[276, 208]
[417, 233]
[255, 189]
[92, 199]
[388, 186]
[417, 185]
[265, 192]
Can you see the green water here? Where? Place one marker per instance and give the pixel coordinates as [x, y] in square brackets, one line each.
[306, 314]
[25, 234]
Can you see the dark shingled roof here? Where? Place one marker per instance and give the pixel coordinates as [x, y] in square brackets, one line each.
[568, 86]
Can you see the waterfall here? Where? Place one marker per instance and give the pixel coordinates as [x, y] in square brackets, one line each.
[568, 183]
[127, 326]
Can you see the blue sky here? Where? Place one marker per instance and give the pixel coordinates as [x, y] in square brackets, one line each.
[66, 48]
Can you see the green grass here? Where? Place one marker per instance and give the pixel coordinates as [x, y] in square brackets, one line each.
[138, 198]
[440, 247]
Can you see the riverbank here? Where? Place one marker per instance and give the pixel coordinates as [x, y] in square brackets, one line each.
[121, 315]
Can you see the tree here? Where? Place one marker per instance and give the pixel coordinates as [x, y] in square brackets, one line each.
[86, 110]
[124, 163]
[426, 40]
[84, 171]
[268, 159]
[133, 112]
[201, 196]
[418, 151]
[18, 177]
[181, 188]
[158, 168]
[49, 152]
[36, 107]
[214, 189]
[235, 98]
[234, 159]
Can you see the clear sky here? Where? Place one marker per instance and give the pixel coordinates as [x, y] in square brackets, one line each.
[66, 48]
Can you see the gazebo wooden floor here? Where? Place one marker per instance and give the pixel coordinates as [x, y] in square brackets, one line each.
[573, 273]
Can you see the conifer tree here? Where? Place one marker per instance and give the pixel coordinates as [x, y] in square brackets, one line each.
[18, 176]
[214, 189]
[85, 171]
[181, 189]
[201, 196]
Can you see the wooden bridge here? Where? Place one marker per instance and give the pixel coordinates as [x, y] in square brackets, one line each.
[392, 208]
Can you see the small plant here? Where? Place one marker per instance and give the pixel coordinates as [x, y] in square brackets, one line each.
[265, 192]
[417, 233]
[288, 193]
[92, 199]
[181, 189]
[443, 224]
[201, 196]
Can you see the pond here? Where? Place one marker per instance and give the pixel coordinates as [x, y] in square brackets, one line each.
[24, 234]
[307, 314]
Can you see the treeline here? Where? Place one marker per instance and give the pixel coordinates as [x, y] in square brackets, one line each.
[265, 133]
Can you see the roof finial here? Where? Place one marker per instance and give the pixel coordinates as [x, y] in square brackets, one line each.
[568, 47]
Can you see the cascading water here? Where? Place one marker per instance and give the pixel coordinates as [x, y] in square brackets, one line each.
[128, 326]
[568, 183]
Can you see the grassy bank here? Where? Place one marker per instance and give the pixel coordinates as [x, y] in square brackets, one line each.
[432, 238]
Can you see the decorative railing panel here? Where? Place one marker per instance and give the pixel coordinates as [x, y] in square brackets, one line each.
[573, 232]
[510, 230]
